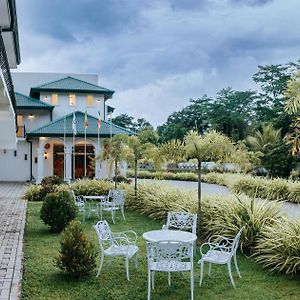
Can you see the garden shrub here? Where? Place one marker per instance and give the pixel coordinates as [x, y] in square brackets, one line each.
[51, 180]
[225, 216]
[279, 247]
[58, 210]
[77, 256]
[294, 192]
[88, 187]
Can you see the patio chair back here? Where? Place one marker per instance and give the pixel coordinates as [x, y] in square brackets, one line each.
[103, 233]
[236, 241]
[182, 221]
[169, 255]
[117, 196]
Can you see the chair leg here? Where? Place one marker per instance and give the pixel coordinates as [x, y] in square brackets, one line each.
[153, 280]
[201, 272]
[101, 264]
[113, 216]
[136, 261]
[169, 278]
[236, 266]
[101, 213]
[122, 211]
[229, 272]
[127, 268]
[209, 269]
[149, 284]
[192, 284]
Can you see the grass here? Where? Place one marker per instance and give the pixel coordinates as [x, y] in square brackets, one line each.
[42, 280]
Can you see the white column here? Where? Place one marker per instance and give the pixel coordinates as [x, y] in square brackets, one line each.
[40, 165]
[68, 161]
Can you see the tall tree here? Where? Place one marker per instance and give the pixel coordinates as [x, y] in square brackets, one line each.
[211, 146]
[272, 80]
[124, 120]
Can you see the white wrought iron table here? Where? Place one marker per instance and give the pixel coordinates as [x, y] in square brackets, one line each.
[169, 235]
[94, 209]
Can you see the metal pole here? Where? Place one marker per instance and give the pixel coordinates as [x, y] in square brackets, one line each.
[84, 151]
[65, 147]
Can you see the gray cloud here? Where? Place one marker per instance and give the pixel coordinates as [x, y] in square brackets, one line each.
[158, 54]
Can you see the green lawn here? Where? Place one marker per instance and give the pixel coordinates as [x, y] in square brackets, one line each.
[42, 280]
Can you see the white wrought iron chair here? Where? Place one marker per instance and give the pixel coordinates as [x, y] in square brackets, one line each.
[80, 203]
[221, 251]
[169, 256]
[181, 221]
[116, 244]
[113, 202]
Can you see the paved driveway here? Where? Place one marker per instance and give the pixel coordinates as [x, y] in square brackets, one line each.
[12, 223]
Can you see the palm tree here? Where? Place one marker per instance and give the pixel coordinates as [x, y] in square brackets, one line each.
[292, 106]
[262, 139]
[212, 146]
[116, 150]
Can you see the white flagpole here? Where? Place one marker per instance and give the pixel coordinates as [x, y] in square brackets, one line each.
[65, 147]
[110, 127]
[84, 151]
[74, 149]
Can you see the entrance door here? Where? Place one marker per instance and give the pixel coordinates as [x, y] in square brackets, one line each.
[79, 161]
[58, 160]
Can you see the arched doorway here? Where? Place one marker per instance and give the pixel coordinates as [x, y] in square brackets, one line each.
[80, 161]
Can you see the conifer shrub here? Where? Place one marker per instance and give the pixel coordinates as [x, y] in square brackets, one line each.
[58, 210]
[77, 255]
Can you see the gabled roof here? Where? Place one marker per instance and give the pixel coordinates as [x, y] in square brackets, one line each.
[56, 128]
[71, 84]
[26, 102]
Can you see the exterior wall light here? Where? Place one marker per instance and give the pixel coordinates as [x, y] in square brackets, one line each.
[31, 117]
[46, 155]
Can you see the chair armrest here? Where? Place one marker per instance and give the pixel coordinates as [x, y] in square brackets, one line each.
[165, 227]
[126, 235]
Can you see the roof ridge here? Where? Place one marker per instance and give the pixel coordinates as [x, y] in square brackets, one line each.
[34, 99]
[49, 82]
[66, 77]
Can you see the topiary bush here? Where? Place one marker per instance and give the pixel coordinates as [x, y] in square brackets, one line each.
[51, 180]
[77, 256]
[58, 210]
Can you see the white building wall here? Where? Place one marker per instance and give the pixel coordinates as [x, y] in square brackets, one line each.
[33, 119]
[63, 107]
[15, 168]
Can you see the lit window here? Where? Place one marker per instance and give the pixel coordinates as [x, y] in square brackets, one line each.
[54, 99]
[72, 100]
[90, 100]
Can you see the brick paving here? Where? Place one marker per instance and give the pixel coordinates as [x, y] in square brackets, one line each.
[12, 223]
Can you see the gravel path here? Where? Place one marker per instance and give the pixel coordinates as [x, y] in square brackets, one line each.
[290, 209]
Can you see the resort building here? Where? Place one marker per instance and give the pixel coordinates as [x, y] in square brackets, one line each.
[9, 59]
[61, 127]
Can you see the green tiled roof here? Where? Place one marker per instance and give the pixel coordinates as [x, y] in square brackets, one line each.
[56, 128]
[25, 102]
[71, 84]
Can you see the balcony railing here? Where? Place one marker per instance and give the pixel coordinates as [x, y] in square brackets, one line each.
[21, 133]
[4, 66]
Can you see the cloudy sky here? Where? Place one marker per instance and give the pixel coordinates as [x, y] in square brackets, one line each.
[157, 54]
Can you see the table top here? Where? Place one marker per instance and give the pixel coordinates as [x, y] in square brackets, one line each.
[94, 197]
[169, 235]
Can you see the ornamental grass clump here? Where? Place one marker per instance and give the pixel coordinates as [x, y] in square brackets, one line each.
[157, 199]
[225, 216]
[294, 192]
[252, 187]
[58, 210]
[279, 247]
[277, 189]
[88, 187]
[33, 192]
[77, 255]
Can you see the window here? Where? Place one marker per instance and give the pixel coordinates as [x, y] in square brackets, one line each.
[54, 99]
[90, 100]
[72, 100]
